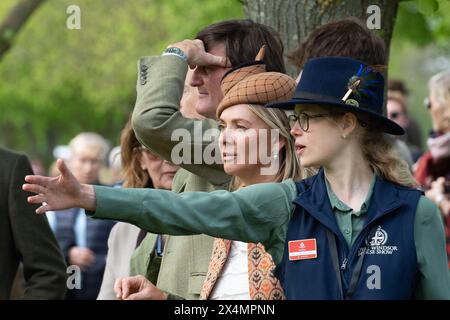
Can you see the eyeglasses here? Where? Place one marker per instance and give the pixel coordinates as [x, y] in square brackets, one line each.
[303, 119]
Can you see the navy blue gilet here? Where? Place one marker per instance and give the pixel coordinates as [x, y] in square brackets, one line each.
[382, 263]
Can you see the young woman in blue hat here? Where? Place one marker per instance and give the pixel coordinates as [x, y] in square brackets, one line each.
[356, 230]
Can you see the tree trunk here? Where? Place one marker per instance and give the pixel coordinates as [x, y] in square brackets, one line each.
[295, 19]
[15, 19]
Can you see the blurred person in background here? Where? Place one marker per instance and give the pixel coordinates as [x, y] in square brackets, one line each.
[433, 168]
[115, 166]
[398, 111]
[84, 241]
[189, 99]
[145, 251]
[141, 169]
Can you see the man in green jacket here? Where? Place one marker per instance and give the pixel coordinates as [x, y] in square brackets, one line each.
[156, 116]
[25, 237]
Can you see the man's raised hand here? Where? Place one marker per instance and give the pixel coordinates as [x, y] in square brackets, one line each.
[197, 56]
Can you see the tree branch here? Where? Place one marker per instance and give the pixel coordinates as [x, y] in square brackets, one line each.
[14, 21]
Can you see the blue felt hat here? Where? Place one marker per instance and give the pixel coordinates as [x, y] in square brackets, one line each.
[345, 83]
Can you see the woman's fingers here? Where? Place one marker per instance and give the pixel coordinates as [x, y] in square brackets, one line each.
[118, 288]
[130, 285]
[40, 180]
[148, 293]
[43, 209]
[125, 288]
[61, 166]
[37, 199]
[141, 295]
[45, 181]
[137, 288]
[35, 188]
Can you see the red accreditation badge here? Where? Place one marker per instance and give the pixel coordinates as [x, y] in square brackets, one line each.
[302, 249]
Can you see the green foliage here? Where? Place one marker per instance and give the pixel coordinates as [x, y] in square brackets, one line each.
[427, 7]
[421, 34]
[422, 22]
[57, 82]
[411, 25]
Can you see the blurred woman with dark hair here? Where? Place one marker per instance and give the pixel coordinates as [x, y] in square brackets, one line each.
[141, 169]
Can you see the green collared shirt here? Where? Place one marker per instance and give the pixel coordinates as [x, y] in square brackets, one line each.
[350, 222]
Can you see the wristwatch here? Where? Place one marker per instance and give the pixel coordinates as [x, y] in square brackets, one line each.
[174, 51]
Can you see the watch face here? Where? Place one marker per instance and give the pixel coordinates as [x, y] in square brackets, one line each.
[176, 51]
[173, 50]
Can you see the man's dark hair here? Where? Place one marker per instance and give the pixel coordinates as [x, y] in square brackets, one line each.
[343, 38]
[243, 39]
[398, 85]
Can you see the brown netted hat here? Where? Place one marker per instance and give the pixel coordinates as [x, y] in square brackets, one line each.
[251, 84]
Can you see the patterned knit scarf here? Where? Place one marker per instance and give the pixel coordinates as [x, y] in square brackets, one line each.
[262, 283]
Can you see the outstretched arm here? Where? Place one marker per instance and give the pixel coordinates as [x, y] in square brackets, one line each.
[61, 192]
[257, 213]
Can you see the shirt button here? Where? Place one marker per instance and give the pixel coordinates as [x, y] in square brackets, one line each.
[347, 231]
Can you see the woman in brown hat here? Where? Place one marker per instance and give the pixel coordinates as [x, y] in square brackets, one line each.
[356, 230]
[256, 147]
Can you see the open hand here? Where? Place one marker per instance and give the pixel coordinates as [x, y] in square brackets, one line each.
[61, 192]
